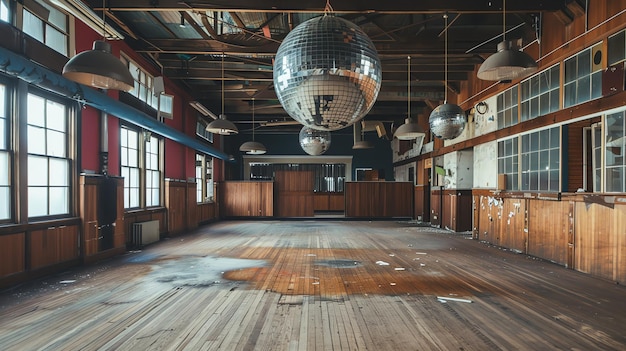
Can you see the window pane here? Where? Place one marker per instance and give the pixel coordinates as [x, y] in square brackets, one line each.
[134, 178]
[133, 161]
[55, 114]
[584, 89]
[37, 201]
[570, 94]
[584, 63]
[554, 181]
[36, 140]
[554, 137]
[56, 40]
[32, 26]
[617, 48]
[59, 172]
[35, 111]
[56, 144]
[59, 200]
[134, 197]
[5, 202]
[4, 168]
[37, 171]
[570, 70]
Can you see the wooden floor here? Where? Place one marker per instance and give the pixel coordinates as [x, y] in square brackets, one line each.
[316, 285]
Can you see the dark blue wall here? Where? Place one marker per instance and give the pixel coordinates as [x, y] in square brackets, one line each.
[379, 158]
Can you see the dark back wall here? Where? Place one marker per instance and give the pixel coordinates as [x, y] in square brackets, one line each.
[379, 157]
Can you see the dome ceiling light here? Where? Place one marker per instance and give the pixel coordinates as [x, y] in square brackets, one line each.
[253, 147]
[221, 125]
[409, 130]
[327, 73]
[509, 62]
[98, 67]
[447, 121]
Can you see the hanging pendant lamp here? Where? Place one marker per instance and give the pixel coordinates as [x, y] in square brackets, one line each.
[221, 125]
[409, 130]
[447, 121]
[359, 143]
[253, 147]
[98, 67]
[509, 62]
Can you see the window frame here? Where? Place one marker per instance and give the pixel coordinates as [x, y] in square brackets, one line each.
[577, 78]
[204, 179]
[68, 32]
[510, 107]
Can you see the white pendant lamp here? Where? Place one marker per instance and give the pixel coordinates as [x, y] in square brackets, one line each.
[253, 147]
[509, 62]
[409, 130]
[221, 125]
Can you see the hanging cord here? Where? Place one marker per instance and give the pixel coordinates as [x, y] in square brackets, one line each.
[222, 83]
[408, 87]
[328, 8]
[445, 60]
[503, 20]
[104, 22]
[253, 124]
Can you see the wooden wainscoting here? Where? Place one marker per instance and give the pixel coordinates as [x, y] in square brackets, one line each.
[294, 193]
[457, 210]
[53, 245]
[379, 199]
[206, 212]
[12, 254]
[436, 206]
[328, 202]
[585, 232]
[422, 202]
[247, 199]
[176, 204]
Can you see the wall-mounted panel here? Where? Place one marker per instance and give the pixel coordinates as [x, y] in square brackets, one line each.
[12, 250]
[379, 199]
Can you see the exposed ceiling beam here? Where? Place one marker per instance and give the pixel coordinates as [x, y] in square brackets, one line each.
[315, 6]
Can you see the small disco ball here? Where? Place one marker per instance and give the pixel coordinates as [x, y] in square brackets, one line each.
[327, 73]
[314, 142]
[447, 121]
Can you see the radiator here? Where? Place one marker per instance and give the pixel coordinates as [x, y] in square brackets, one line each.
[145, 233]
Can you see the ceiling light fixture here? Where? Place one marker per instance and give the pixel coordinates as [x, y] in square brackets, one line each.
[509, 62]
[409, 130]
[221, 125]
[359, 143]
[447, 121]
[98, 67]
[253, 147]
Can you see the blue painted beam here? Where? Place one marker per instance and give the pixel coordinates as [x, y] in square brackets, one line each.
[19, 66]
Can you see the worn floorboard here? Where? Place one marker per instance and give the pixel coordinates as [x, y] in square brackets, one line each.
[316, 285]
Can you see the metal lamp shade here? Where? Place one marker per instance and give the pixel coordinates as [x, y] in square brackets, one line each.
[362, 145]
[507, 64]
[98, 68]
[409, 131]
[253, 148]
[447, 121]
[222, 126]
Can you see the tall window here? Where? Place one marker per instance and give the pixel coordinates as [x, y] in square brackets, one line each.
[129, 160]
[204, 178]
[48, 161]
[153, 172]
[615, 163]
[540, 94]
[46, 24]
[541, 160]
[583, 77]
[201, 130]
[5, 158]
[508, 162]
[507, 108]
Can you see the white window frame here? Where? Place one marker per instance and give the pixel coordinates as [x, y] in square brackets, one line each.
[6, 186]
[41, 10]
[130, 168]
[539, 93]
[507, 107]
[204, 178]
[585, 82]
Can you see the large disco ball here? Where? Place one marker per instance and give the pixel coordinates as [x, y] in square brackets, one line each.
[327, 73]
[447, 121]
[314, 142]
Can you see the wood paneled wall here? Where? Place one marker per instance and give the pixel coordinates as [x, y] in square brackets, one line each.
[328, 202]
[294, 193]
[176, 204]
[206, 212]
[436, 203]
[457, 210]
[582, 231]
[12, 254]
[379, 199]
[53, 245]
[421, 200]
[247, 199]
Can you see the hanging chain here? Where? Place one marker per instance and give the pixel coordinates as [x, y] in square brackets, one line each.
[408, 87]
[445, 58]
[328, 8]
